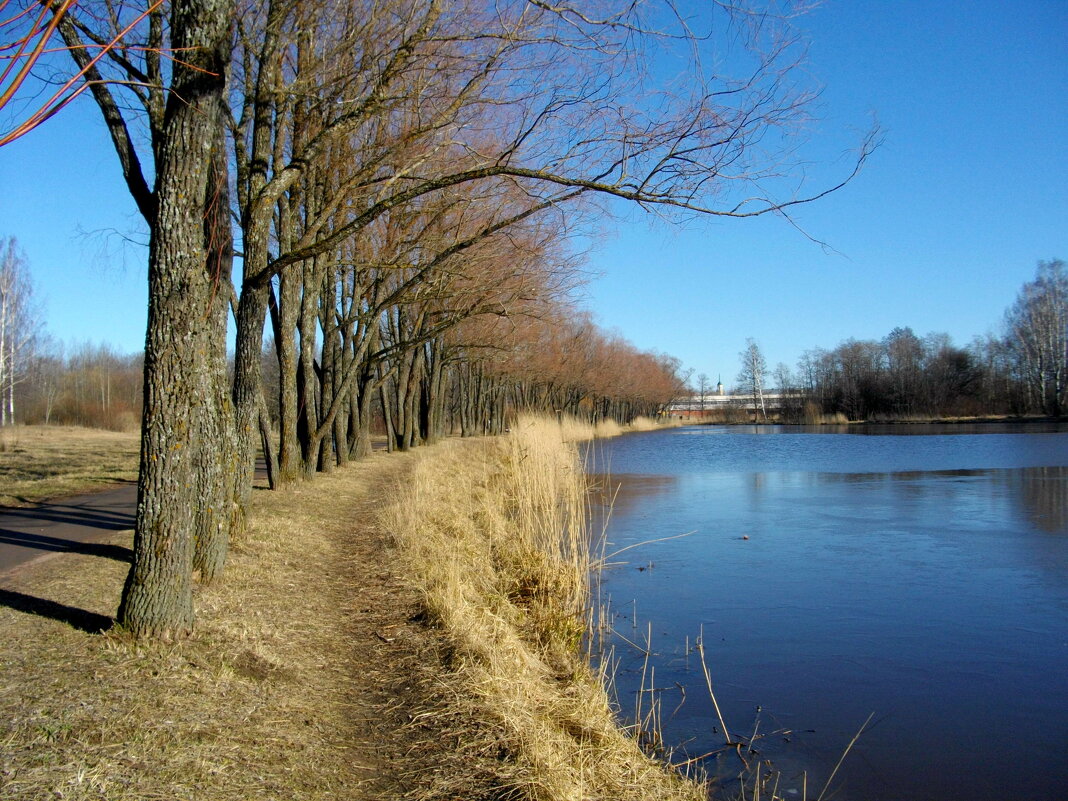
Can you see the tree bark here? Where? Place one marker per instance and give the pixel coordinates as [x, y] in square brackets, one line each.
[180, 402]
[219, 511]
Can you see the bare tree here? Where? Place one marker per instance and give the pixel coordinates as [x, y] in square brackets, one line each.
[753, 375]
[784, 378]
[702, 389]
[345, 113]
[325, 149]
[1038, 334]
[20, 323]
[185, 485]
[25, 36]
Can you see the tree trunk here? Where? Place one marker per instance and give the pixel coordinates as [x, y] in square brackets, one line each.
[289, 452]
[248, 392]
[180, 403]
[308, 376]
[218, 510]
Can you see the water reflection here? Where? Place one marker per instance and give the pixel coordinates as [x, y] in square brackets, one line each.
[888, 429]
[1042, 495]
[622, 493]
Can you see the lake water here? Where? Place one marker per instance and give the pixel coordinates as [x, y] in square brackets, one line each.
[920, 578]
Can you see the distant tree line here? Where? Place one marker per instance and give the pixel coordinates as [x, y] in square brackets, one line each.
[91, 385]
[1022, 371]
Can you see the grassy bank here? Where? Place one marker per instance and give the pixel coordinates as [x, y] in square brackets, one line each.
[407, 627]
[38, 462]
[299, 682]
[493, 533]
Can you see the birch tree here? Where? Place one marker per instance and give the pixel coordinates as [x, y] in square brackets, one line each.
[19, 324]
[753, 375]
[1038, 335]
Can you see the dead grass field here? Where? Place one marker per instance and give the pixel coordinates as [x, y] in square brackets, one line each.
[43, 462]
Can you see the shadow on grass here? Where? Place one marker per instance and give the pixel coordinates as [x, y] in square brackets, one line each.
[89, 622]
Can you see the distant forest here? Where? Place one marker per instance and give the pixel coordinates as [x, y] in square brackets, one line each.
[1021, 371]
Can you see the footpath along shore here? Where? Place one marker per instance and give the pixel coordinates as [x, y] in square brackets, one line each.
[369, 641]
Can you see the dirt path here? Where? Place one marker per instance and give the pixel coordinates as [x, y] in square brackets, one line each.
[309, 676]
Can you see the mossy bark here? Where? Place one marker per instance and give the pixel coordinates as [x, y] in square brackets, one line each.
[181, 404]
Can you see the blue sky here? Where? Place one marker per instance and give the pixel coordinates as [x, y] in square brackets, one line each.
[967, 193]
[947, 221]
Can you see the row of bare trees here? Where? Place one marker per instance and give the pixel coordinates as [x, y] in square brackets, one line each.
[559, 363]
[382, 178]
[1022, 371]
[86, 385]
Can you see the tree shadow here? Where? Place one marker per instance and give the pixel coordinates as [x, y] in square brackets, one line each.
[89, 622]
[119, 553]
[75, 515]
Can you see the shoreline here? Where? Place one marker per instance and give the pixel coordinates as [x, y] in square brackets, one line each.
[321, 666]
[950, 421]
[495, 533]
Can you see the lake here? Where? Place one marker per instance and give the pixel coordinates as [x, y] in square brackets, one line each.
[919, 573]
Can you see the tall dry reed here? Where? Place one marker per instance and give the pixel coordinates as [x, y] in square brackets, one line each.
[495, 535]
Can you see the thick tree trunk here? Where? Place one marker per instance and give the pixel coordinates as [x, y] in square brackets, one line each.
[180, 401]
[218, 513]
[248, 391]
[289, 451]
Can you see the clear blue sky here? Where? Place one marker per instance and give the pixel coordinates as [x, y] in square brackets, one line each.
[941, 229]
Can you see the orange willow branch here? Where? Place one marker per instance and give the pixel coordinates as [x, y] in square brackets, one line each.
[30, 47]
[42, 36]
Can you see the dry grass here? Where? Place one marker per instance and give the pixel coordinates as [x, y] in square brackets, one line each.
[493, 532]
[288, 690]
[40, 462]
[574, 430]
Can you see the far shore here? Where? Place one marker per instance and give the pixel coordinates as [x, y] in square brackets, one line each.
[912, 421]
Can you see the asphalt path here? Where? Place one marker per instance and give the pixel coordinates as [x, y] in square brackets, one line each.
[73, 525]
[67, 525]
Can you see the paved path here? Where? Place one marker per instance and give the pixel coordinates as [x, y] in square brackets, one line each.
[75, 524]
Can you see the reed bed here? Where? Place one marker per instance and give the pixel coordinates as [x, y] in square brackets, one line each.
[494, 535]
